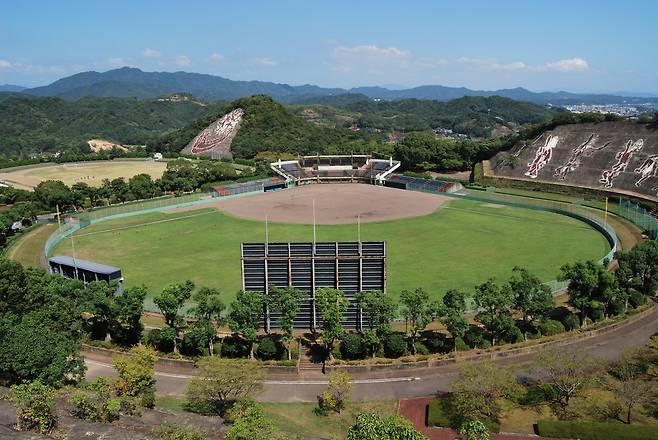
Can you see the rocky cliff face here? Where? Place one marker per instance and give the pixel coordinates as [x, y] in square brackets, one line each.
[618, 155]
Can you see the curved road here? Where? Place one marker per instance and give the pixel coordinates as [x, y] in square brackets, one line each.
[406, 383]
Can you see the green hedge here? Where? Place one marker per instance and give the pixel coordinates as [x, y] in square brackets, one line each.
[437, 414]
[596, 431]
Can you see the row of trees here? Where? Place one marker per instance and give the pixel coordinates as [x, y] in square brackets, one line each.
[517, 310]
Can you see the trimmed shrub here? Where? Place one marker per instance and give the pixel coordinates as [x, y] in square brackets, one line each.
[616, 308]
[636, 299]
[395, 346]
[474, 337]
[595, 430]
[233, 347]
[161, 339]
[421, 349]
[352, 346]
[570, 322]
[595, 314]
[267, 349]
[550, 327]
[461, 345]
[437, 342]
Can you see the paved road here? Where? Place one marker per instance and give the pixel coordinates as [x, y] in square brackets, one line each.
[408, 384]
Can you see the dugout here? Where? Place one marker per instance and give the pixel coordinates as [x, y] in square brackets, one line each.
[85, 271]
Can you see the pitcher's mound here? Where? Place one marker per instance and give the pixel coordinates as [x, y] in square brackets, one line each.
[334, 204]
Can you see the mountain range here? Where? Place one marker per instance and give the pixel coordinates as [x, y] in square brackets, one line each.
[133, 82]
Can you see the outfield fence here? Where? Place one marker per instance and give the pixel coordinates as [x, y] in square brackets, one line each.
[639, 216]
[587, 215]
[74, 223]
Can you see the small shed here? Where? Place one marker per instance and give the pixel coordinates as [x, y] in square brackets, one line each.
[85, 271]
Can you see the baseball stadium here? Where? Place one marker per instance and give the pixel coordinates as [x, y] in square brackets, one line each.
[439, 236]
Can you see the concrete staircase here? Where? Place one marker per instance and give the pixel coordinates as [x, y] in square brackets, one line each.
[310, 360]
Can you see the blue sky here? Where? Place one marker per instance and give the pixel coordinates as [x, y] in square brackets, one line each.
[541, 45]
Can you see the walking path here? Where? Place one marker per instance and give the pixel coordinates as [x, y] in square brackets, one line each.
[400, 384]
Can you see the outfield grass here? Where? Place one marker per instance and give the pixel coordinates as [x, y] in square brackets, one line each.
[458, 246]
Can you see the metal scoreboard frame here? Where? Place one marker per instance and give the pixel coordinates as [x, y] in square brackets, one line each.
[348, 266]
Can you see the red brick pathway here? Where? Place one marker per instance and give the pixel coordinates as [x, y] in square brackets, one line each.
[414, 410]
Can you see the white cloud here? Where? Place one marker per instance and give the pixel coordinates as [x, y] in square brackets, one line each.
[4, 64]
[568, 65]
[151, 53]
[565, 65]
[216, 57]
[263, 61]
[116, 61]
[371, 52]
[182, 60]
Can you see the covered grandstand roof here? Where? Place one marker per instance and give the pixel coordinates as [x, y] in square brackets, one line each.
[84, 264]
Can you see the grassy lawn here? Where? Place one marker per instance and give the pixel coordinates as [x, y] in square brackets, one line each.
[457, 246]
[299, 419]
[27, 250]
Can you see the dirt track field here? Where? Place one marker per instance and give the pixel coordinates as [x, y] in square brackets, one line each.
[334, 204]
[91, 173]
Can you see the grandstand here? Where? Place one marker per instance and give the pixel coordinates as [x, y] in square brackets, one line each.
[336, 168]
[349, 266]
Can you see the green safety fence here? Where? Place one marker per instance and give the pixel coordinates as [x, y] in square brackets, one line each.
[579, 212]
[76, 222]
[73, 223]
[639, 216]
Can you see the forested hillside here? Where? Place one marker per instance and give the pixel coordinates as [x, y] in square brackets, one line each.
[472, 116]
[266, 126]
[52, 124]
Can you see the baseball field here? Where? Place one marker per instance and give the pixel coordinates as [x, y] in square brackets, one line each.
[91, 173]
[459, 244]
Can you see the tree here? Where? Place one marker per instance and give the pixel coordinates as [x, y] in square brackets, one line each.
[638, 268]
[628, 381]
[208, 309]
[142, 186]
[170, 302]
[126, 311]
[246, 313]
[32, 349]
[454, 305]
[250, 422]
[418, 311]
[137, 374]
[286, 301]
[35, 407]
[473, 430]
[590, 287]
[338, 393]
[380, 308]
[119, 189]
[97, 301]
[478, 392]
[219, 383]
[494, 303]
[531, 298]
[52, 193]
[371, 426]
[331, 304]
[566, 373]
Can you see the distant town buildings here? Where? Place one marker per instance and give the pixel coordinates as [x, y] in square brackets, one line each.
[614, 109]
